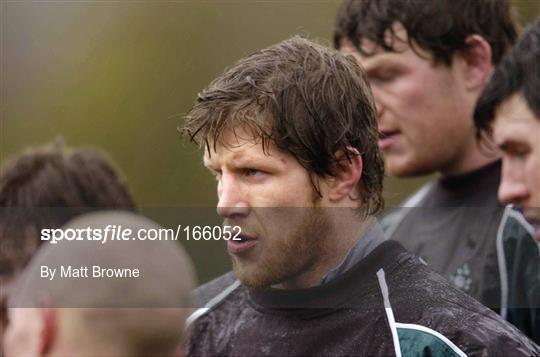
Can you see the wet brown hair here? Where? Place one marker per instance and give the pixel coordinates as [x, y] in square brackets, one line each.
[439, 26]
[307, 99]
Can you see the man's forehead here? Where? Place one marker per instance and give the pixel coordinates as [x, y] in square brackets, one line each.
[515, 120]
[514, 108]
[238, 149]
[375, 54]
[396, 36]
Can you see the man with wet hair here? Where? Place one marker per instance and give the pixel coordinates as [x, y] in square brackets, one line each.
[44, 188]
[427, 63]
[508, 112]
[290, 134]
[83, 312]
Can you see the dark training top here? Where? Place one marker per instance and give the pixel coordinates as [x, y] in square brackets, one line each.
[454, 224]
[389, 303]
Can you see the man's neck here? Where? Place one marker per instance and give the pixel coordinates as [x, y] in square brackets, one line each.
[346, 232]
[476, 157]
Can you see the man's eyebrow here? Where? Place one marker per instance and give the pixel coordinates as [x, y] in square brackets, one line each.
[246, 162]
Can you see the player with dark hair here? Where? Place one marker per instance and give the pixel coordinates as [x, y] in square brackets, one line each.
[508, 112]
[427, 63]
[290, 134]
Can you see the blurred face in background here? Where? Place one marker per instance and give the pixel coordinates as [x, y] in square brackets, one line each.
[424, 115]
[270, 196]
[3, 311]
[23, 334]
[516, 131]
[7, 283]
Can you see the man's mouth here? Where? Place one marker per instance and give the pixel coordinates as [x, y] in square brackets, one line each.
[387, 138]
[241, 243]
[535, 223]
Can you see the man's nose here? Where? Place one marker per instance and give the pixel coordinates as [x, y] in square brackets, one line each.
[513, 188]
[232, 202]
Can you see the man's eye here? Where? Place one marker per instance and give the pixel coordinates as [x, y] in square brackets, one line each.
[520, 155]
[252, 172]
[517, 152]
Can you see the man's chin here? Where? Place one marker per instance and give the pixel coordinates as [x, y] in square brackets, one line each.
[403, 168]
[248, 275]
[396, 165]
[253, 275]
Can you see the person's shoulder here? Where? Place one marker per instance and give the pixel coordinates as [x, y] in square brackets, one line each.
[218, 294]
[481, 335]
[392, 218]
[218, 303]
[213, 289]
[430, 311]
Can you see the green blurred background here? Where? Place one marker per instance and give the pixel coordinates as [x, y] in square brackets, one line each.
[119, 75]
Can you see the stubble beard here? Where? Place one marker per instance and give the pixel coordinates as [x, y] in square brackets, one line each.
[288, 257]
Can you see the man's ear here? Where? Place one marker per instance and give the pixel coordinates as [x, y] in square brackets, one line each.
[476, 62]
[49, 316]
[346, 174]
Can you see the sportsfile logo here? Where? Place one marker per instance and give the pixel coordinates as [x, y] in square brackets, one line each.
[119, 233]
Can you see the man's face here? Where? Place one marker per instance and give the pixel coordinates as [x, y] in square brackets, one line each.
[269, 195]
[424, 119]
[516, 132]
[22, 337]
[6, 282]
